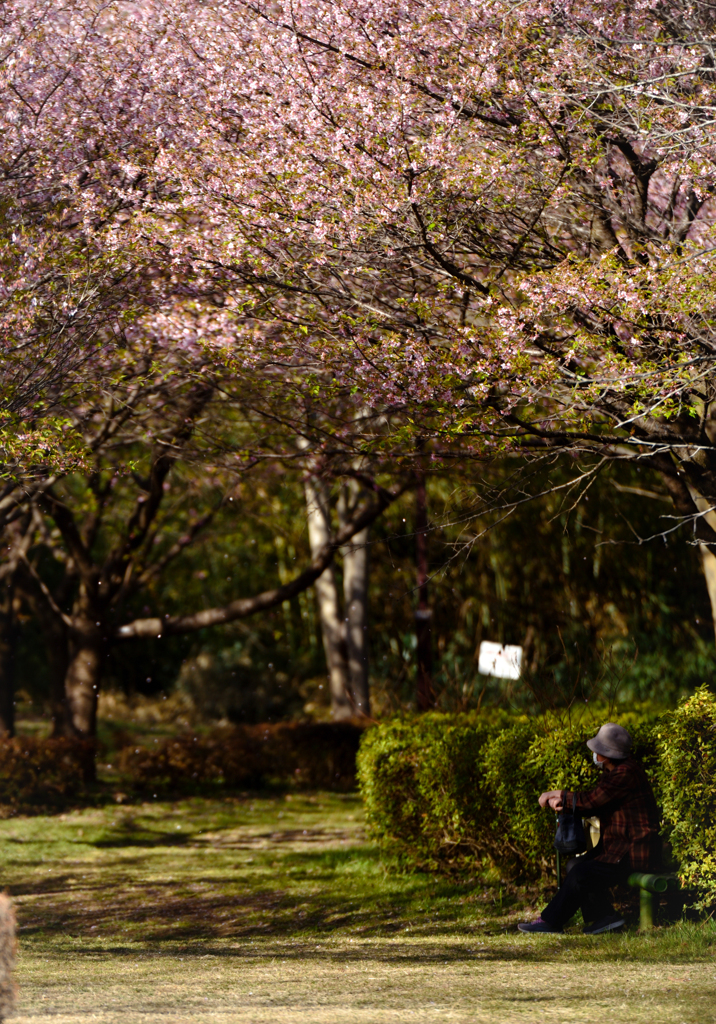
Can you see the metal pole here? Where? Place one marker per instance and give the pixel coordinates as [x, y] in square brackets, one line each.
[646, 910]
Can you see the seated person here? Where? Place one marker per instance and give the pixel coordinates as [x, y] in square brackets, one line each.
[629, 837]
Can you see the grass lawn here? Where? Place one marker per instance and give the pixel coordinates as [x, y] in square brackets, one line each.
[276, 909]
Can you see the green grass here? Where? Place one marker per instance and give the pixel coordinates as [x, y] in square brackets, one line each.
[277, 909]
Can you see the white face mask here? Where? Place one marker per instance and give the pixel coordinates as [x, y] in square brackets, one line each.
[596, 760]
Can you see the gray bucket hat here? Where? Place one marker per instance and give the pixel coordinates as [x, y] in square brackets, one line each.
[612, 741]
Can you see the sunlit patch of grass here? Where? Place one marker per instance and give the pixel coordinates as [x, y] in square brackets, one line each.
[277, 908]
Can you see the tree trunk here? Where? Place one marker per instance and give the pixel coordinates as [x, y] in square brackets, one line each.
[84, 672]
[332, 627]
[423, 611]
[8, 647]
[708, 561]
[708, 555]
[687, 501]
[355, 592]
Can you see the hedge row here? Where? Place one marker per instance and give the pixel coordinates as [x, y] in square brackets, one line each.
[45, 773]
[50, 773]
[320, 755]
[453, 793]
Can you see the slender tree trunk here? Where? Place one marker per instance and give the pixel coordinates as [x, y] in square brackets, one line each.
[355, 592]
[686, 499]
[8, 648]
[17, 538]
[332, 627]
[708, 554]
[708, 562]
[84, 673]
[355, 589]
[423, 611]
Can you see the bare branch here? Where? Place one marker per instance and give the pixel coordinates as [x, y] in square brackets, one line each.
[244, 607]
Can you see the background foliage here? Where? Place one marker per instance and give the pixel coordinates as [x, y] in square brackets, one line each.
[597, 610]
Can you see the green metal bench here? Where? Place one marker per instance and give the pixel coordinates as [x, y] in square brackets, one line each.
[649, 885]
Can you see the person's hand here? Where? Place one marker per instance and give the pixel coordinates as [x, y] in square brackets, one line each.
[546, 798]
[556, 803]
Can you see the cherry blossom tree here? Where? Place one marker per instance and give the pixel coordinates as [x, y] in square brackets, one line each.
[490, 225]
[497, 214]
[165, 455]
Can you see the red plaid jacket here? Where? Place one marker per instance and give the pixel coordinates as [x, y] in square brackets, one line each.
[628, 817]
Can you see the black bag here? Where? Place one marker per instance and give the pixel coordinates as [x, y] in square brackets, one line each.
[570, 836]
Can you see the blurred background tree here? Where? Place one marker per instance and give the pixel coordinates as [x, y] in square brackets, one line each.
[465, 283]
[598, 607]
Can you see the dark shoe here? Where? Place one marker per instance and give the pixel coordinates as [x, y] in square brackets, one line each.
[605, 924]
[538, 926]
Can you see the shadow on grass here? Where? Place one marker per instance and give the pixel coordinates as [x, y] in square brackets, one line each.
[142, 838]
[395, 953]
[285, 900]
[130, 833]
[682, 944]
[314, 892]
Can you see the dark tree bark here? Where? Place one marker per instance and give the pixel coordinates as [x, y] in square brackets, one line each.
[246, 606]
[355, 598]
[333, 627]
[8, 648]
[58, 656]
[423, 611]
[17, 537]
[84, 675]
[355, 592]
[90, 634]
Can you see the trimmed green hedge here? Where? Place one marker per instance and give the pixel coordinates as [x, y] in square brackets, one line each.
[454, 793]
[686, 741]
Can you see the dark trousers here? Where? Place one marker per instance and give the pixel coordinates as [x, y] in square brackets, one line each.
[585, 887]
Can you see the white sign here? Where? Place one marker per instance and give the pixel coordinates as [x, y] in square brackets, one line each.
[496, 660]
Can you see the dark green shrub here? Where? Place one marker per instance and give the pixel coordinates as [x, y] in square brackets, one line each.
[519, 762]
[425, 793]
[687, 748]
[388, 764]
[449, 792]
